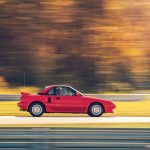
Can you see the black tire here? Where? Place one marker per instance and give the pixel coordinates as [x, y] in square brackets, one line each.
[95, 110]
[36, 109]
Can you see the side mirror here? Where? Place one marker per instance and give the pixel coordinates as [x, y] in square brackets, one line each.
[78, 94]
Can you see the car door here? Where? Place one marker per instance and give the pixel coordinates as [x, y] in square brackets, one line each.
[66, 101]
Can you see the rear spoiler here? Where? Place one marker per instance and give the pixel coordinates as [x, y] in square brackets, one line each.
[24, 93]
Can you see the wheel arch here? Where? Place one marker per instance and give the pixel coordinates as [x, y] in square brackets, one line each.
[38, 103]
[101, 104]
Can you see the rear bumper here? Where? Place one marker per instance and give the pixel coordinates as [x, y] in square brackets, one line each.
[21, 106]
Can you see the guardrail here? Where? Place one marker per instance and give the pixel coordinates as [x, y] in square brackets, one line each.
[74, 139]
[113, 97]
[9, 97]
[121, 97]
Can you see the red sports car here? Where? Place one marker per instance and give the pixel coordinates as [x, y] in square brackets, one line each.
[63, 99]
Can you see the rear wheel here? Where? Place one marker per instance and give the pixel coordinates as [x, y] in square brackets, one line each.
[95, 110]
[36, 109]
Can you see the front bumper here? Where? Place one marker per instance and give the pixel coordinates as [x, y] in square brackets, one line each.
[110, 108]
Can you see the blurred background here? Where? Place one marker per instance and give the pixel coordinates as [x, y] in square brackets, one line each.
[96, 46]
[93, 45]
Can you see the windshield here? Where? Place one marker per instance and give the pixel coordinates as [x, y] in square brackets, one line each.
[76, 91]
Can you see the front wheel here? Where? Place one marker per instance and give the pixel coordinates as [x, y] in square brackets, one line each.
[36, 109]
[95, 110]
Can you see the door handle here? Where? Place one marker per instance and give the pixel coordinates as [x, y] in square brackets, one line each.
[57, 97]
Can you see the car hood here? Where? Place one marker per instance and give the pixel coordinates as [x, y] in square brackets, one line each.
[97, 99]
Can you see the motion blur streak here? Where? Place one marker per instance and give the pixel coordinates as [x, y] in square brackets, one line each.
[91, 44]
[113, 97]
[74, 139]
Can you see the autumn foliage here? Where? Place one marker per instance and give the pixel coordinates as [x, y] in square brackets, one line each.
[90, 44]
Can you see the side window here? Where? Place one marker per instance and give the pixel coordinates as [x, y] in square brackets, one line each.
[59, 91]
[51, 91]
[70, 92]
[62, 91]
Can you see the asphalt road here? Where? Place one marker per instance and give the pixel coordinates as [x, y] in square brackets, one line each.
[11, 120]
[74, 139]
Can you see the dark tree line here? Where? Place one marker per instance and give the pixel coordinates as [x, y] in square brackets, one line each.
[65, 42]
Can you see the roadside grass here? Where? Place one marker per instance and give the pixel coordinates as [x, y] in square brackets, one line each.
[134, 108]
[17, 90]
[83, 125]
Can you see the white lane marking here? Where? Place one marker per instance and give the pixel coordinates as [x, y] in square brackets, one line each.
[66, 120]
[148, 146]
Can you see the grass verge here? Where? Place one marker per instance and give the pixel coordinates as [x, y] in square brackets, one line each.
[84, 125]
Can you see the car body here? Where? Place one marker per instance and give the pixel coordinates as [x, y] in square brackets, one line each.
[63, 99]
